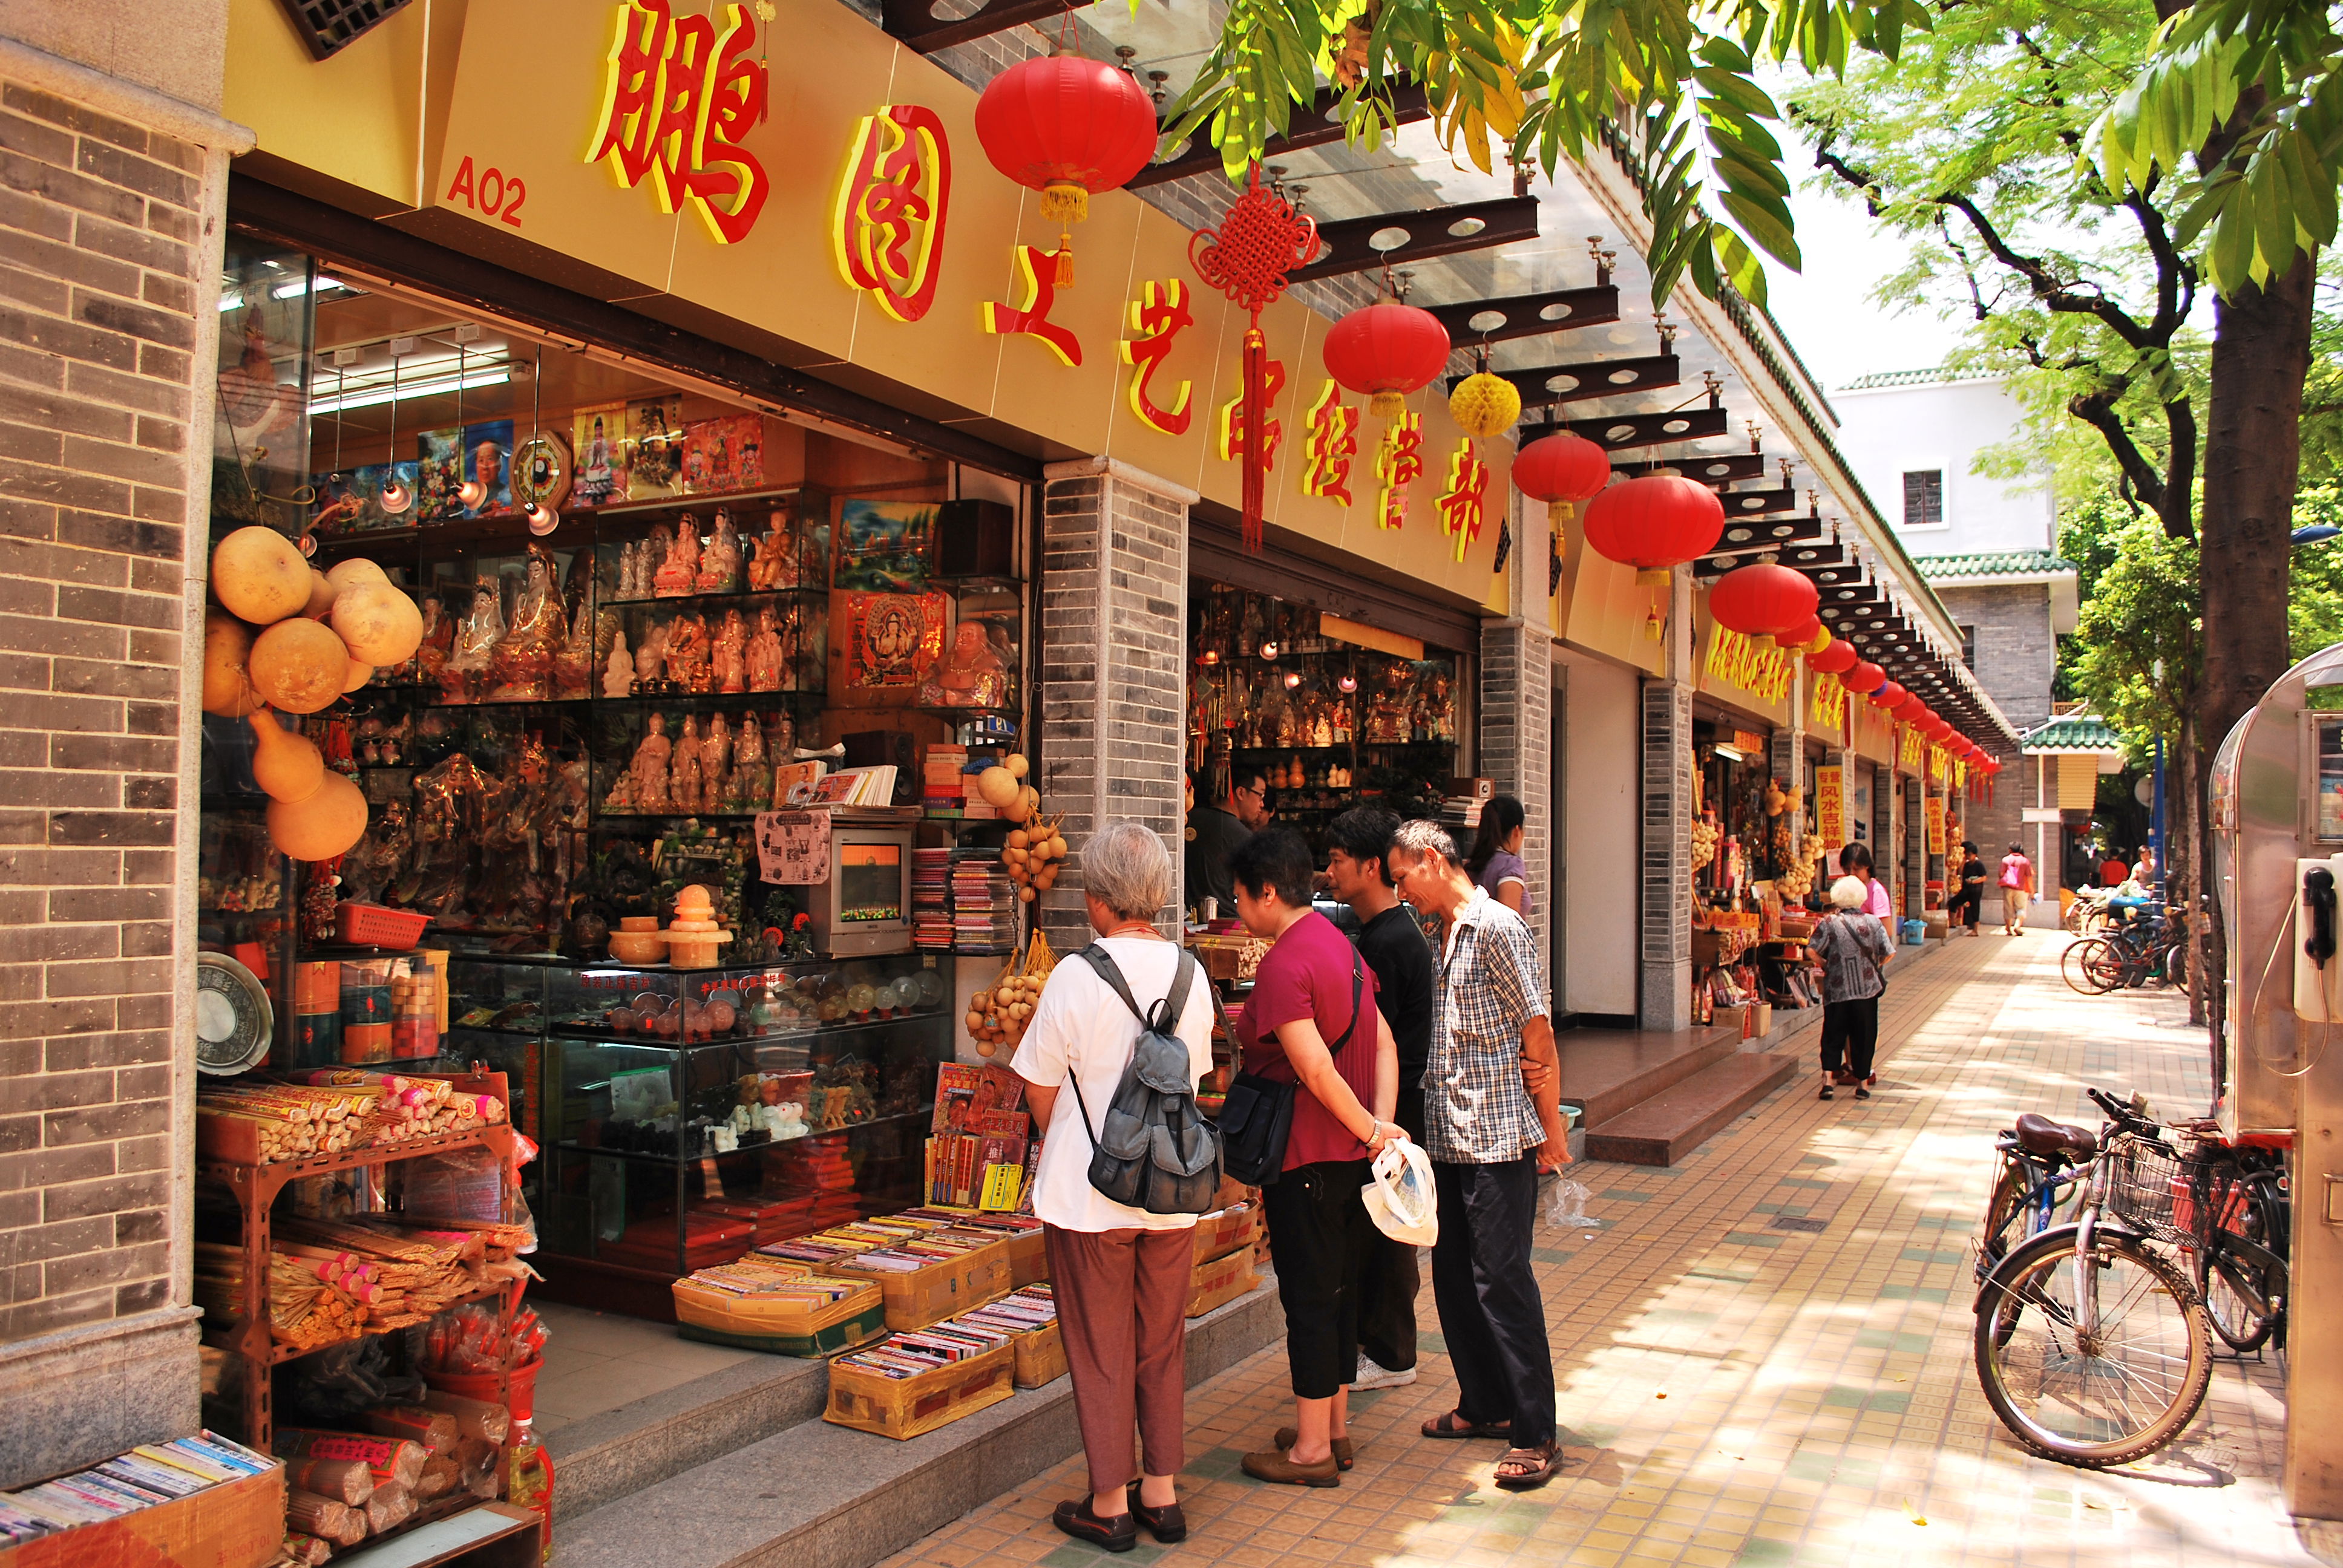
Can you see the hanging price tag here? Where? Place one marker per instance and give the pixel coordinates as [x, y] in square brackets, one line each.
[793, 847]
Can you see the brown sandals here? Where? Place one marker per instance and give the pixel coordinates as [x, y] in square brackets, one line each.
[1453, 1426]
[1528, 1467]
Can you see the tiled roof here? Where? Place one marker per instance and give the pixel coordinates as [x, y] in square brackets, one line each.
[2072, 732]
[1899, 379]
[1991, 564]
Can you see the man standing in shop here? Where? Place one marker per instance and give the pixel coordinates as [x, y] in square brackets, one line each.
[1487, 1136]
[1358, 843]
[1213, 834]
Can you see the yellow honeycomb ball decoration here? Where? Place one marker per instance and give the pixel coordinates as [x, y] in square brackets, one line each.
[1485, 405]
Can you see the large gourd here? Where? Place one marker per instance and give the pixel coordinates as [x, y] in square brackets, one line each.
[379, 622]
[227, 679]
[287, 766]
[260, 575]
[326, 824]
[299, 665]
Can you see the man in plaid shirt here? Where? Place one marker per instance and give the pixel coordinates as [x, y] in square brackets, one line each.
[1491, 1120]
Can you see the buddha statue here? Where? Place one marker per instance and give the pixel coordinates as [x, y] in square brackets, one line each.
[649, 767]
[971, 674]
[719, 565]
[731, 654]
[687, 654]
[464, 677]
[523, 661]
[683, 780]
[715, 762]
[678, 574]
[763, 658]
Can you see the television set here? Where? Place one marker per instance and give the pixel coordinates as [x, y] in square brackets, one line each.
[863, 907]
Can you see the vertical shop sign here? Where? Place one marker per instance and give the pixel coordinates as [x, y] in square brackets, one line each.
[1332, 442]
[887, 226]
[1229, 437]
[1908, 746]
[1935, 824]
[1037, 276]
[677, 96]
[1399, 463]
[1158, 317]
[1463, 505]
[1830, 807]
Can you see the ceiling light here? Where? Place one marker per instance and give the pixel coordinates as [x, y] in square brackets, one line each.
[300, 286]
[379, 395]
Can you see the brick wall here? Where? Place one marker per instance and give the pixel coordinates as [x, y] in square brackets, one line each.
[2016, 658]
[1517, 750]
[1665, 1002]
[1114, 627]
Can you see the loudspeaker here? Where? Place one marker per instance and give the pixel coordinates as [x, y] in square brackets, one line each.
[976, 540]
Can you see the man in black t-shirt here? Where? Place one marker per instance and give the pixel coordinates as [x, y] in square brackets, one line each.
[1213, 834]
[1394, 947]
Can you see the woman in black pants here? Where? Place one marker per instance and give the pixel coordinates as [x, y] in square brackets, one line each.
[1851, 948]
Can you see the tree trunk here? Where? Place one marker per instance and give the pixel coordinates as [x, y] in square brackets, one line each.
[2181, 831]
[2261, 355]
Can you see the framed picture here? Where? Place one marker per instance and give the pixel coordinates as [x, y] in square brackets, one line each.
[727, 453]
[599, 438]
[883, 547]
[487, 460]
[655, 438]
[883, 644]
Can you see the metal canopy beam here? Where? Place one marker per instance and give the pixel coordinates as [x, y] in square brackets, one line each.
[1588, 378]
[1309, 127]
[1822, 563]
[1759, 503]
[1431, 232]
[1621, 431]
[1754, 536]
[1720, 470]
[1529, 315]
[914, 23]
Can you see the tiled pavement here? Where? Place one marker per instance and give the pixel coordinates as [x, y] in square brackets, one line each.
[1764, 1352]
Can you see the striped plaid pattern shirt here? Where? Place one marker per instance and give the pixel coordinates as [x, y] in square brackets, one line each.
[1476, 1111]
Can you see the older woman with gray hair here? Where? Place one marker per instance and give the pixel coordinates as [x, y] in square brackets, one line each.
[1120, 1273]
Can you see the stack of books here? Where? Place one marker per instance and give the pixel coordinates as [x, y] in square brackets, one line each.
[984, 903]
[1019, 1313]
[943, 779]
[1459, 811]
[932, 916]
[917, 1351]
[150, 1473]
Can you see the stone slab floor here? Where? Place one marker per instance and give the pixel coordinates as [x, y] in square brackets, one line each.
[1764, 1352]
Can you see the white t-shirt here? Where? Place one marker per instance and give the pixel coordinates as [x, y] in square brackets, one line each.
[1081, 1023]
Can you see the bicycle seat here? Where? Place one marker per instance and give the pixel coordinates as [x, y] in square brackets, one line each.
[2040, 1135]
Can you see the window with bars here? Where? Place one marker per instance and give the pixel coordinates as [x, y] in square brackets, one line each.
[1924, 498]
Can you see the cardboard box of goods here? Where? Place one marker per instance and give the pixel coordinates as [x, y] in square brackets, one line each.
[1040, 1356]
[235, 1525]
[907, 1407]
[768, 1317]
[1029, 1253]
[1220, 1281]
[946, 1288]
[1220, 1233]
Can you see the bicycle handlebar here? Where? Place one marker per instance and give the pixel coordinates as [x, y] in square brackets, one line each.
[2121, 1114]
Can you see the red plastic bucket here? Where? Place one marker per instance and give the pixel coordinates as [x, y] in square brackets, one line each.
[516, 1390]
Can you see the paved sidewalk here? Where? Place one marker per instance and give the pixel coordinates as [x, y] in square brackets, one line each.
[1764, 1352]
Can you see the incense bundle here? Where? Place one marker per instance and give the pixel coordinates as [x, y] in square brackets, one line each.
[337, 1522]
[304, 1551]
[304, 1310]
[441, 1475]
[387, 1509]
[343, 1479]
[392, 1462]
[415, 1423]
[475, 1418]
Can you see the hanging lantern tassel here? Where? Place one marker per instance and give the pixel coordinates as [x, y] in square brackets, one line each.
[1654, 624]
[1554, 564]
[1064, 203]
[1256, 393]
[1065, 259]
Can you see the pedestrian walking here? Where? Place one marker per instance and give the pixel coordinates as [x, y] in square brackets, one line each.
[1853, 954]
[2016, 889]
[1972, 888]
[1854, 861]
[1120, 1273]
[1495, 865]
[1311, 1022]
[1488, 1139]
[1358, 872]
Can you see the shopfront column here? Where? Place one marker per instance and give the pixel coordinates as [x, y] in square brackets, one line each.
[1517, 750]
[1883, 825]
[1113, 623]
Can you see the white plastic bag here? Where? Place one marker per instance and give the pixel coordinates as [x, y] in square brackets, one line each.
[1401, 1199]
[1567, 1208]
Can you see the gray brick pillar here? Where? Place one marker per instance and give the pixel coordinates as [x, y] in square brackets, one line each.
[1113, 630]
[1516, 745]
[1664, 997]
[1883, 825]
[1911, 798]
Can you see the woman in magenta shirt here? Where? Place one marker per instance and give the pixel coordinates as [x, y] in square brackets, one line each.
[1311, 1022]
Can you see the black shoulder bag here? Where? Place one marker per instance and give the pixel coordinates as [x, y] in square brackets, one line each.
[1258, 1116]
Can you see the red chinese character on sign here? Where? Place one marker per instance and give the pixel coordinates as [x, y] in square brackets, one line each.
[1231, 438]
[1332, 442]
[1037, 274]
[678, 98]
[887, 233]
[1399, 463]
[1463, 504]
[1158, 314]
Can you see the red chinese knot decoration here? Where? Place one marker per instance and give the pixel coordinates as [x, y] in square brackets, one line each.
[1259, 241]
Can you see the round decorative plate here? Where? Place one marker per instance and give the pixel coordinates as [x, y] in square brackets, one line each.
[233, 1022]
[542, 469]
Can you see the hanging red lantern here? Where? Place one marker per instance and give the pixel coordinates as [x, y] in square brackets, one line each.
[1806, 637]
[1863, 677]
[1911, 710]
[1935, 728]
[1388, 349]
[1563, 471]
[1654, 524]
[1066, 126]
[1835, 658]
[1889, 696]
[1763, 599]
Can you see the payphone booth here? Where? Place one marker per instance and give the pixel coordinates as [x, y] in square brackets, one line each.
[2276, 797]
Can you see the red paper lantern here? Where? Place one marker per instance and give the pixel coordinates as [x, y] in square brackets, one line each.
[1911, 710]
[1066, 126]
[1836, 658]
[1563, 471]
[1889, 696]
[1654, 523]
[1863, 677]
[1389, 349]
[1765, 599]
[1807, 637]
[1936, 729]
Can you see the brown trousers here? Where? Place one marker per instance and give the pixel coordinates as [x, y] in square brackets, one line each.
[1123, 1310]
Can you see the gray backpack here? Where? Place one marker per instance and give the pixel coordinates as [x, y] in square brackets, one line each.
[1155, 1151]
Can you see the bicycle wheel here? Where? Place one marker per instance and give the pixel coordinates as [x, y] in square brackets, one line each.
[2176, 966]
[2242, 1299]
[2084, 964]
[2122, 1390]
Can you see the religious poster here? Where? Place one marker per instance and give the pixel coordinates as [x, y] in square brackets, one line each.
[724, 453]
[485, 459]
[655, 438]
[793, 847]
[883, 644]
[883, 546]
[599, 437]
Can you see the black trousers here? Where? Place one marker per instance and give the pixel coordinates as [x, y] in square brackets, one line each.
[1318, 1230]
[1490, 1308]
[1850, 1035]
[1388, 1284]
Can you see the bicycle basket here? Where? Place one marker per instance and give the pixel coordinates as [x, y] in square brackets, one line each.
[2142, 1177]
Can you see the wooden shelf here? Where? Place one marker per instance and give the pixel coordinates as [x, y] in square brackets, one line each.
[278, 1353]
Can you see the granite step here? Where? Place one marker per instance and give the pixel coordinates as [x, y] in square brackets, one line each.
[1607, 1072]
[815, 1495]
[1670, 1125]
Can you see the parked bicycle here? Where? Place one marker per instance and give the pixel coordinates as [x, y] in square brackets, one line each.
[2092, 1344]
[2136, 953]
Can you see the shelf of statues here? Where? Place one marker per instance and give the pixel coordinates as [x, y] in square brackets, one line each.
[723, 769]
[444, 537]
[663, 568]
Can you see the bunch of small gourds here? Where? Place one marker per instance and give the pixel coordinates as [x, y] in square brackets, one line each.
[1036, 848]
[998, 1016]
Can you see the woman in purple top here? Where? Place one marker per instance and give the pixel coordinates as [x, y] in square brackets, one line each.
[1495, 864]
